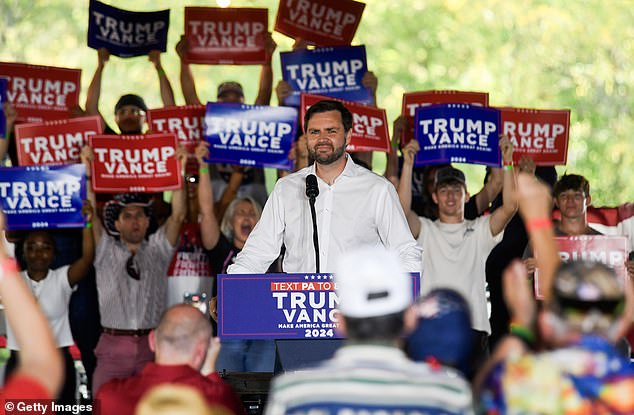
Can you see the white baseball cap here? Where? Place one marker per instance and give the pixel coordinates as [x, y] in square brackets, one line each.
[371, 282]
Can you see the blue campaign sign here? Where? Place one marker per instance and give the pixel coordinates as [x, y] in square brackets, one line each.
[43, 196]
[458, 133]
[250, 135]
[333, 72]
[125, 33]
[3, 98]
[280, 306]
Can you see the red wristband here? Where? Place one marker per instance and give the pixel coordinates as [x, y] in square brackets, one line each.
[507, 163]
[8, 266]
[538, 223]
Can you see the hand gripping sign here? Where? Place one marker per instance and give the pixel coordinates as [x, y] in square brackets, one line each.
[334, 72]
[250, 135]
[229, 36]
[41, 93]
[55, 142]
[287, 306]
[369, 126]
[125, 33]
[319, 22]
[458, 133]
[135, 163]
[43, 196]
[539, 134]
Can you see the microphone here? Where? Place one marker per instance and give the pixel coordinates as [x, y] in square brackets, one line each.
[312, 189]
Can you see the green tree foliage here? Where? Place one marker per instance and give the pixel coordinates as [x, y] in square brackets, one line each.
[540, 54]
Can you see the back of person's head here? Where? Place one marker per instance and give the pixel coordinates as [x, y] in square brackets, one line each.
[172, 399]
[571, 182]
[182, 332]
[588, 298]
[374, 292]
[443, 331]
[328, 105]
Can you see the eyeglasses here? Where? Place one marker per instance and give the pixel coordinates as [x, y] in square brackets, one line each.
[131, 268]
[192, 178]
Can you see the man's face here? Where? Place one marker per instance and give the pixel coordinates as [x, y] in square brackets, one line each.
[450, 198]
[132, 224]
[130, 119]
[572, 203]
[325, 137]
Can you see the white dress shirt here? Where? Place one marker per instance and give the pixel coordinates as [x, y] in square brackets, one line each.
[360, 208]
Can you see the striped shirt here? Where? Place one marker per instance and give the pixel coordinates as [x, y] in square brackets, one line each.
[125, 303]
[369, 380]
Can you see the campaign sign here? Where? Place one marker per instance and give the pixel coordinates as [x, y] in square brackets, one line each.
[458, 133]
[3, 98]
[413, 100]
[287, 306]
[540, 134]
[230, 36]
[319, 22]
[369, 127]
[41, 93]
[55, 142]
[250, 135]
[125, 33]
[186, 121]
[608, 250]
[334, 72]
[43, 196]
[135, 163]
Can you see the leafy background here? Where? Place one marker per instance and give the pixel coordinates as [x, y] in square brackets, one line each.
[540, 54]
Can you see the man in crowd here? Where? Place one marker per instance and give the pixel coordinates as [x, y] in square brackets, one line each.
[131, 269]
[185, 353]
[130, 109]
[370, 374]
[585, 311]
[455, 249]
[354, 206]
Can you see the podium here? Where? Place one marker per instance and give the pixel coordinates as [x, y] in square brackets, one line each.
[301, 354]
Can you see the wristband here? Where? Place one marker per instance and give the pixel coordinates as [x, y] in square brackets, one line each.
[538, 223]
[508, 167]
[203, 170]
[8, 266]
[523, 333]
[88, 225]
[160, 71]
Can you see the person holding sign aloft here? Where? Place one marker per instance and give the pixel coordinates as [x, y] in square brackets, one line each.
[131, 270]
[52, 288]
[455, 249]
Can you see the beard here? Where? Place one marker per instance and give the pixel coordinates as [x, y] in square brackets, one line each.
[327, 158]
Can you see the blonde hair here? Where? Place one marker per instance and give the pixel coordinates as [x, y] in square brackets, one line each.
[225, 225]
[170, 399]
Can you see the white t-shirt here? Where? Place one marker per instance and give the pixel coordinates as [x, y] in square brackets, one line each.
[53, 295]
[454, 256]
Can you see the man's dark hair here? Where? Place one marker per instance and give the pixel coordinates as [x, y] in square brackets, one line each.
[326, 106]
[381, 328]
[571, 182]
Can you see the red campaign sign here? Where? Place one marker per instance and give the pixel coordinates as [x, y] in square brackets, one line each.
[135, 163]
[413, 100]
[41, 93]
[539, 134]
[186, 121]
[369, 127]
[319, 22]
[231, 36]
[55, 142]
[608, 250]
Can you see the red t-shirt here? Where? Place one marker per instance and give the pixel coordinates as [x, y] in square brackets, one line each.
[27, 389]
